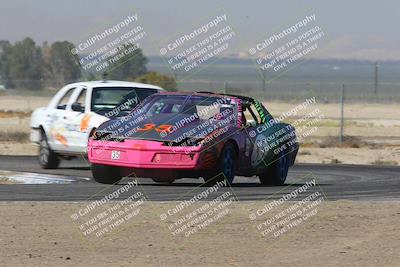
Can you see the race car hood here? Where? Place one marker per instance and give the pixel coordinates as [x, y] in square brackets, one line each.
[182, 126]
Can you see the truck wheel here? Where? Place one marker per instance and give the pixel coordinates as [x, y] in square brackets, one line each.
[105, 174]
[277, 172]
[48, 159]
[225, 168]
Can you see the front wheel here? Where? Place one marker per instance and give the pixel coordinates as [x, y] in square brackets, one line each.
[105, 174]
[48, 159]
[277, 172]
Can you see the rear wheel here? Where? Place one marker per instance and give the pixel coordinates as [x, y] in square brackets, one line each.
[225, 168]
[277, 172]
[48, 159]
[105, 174]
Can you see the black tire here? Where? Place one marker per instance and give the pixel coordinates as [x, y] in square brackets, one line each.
[48, 159]
[277, 172]
[225, 168]
[160, 181]
[105, 174]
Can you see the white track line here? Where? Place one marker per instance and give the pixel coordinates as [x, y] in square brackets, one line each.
[39, 178]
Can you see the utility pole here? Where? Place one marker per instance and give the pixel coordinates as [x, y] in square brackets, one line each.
[263, 80]
[341, 114]
[376, 79]
[175, 72]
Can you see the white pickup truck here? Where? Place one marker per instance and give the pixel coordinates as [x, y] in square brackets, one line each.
[62, 129]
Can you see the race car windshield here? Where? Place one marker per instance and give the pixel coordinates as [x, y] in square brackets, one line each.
[202, 107]
[121, 99]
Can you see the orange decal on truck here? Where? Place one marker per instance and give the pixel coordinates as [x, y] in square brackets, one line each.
[84, 123]
[60, 138]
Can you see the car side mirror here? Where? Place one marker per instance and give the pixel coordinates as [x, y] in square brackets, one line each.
[77, 107]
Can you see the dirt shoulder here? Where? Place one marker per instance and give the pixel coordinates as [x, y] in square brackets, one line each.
[18, 149]
[341, 233]
[384, 155]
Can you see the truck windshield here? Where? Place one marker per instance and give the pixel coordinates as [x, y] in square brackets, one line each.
[117, 101]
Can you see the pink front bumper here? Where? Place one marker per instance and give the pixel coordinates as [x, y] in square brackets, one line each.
[144, 154]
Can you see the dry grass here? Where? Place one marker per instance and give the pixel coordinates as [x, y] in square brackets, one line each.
[14, 126]
[14, 114]
[384, 162]
[333, 141]
[22, 103]
[18, 137]
[304, 152]
[387, 155]
[335, 161]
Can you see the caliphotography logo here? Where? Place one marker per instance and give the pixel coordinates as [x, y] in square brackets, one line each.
[199, 209]
[191, 51]
[296, 206]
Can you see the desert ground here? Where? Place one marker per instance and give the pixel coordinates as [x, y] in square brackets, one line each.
[341, 233]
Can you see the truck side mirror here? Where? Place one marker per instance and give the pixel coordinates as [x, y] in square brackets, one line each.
[77, 107]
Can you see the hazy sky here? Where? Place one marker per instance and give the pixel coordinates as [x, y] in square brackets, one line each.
[354, 29]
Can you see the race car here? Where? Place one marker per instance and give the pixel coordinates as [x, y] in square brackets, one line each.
[176, 135]
[62, 129]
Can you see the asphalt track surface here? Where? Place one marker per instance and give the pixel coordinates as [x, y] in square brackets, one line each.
[335, 182]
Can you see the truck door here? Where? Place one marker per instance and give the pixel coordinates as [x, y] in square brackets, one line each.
[77, 121]
[54, 123]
